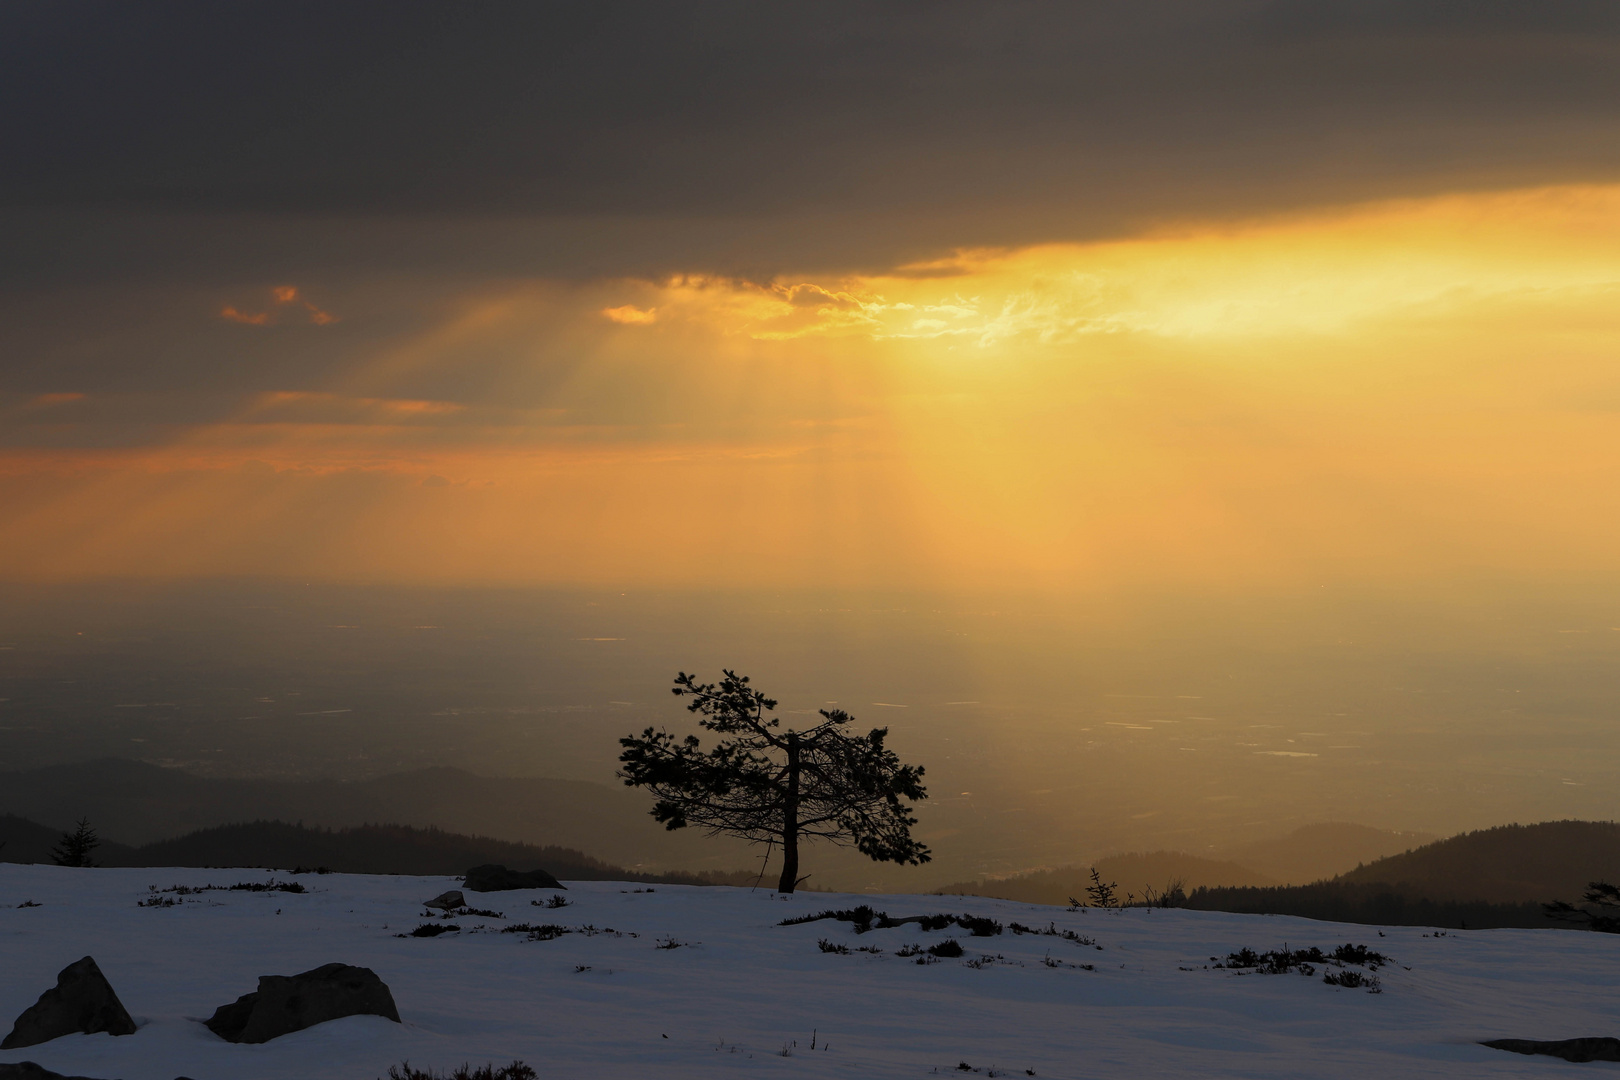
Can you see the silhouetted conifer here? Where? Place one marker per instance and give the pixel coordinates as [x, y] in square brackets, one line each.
[771, 786]
[76, 846]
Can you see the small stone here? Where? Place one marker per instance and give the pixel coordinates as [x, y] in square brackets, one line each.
[493, 877]
[447, 901]
[287, 1003]
[82, 1001]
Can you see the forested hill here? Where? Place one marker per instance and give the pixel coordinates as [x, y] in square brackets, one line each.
[1509, 864]
[137, 803]
[1136, 875]
[368, 849]
[1492, 877]
[24, 841]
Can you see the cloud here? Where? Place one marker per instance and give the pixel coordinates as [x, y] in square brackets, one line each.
[1378, 391]
[1284, 276]
[932, 122]
[306, 406]
[281, 296]
[258, 318]
[631, 315]
[47, 400]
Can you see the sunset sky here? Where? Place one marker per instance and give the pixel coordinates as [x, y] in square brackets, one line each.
[1026, 297]
[1177, 421]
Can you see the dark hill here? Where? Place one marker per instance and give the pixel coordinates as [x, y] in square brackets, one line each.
[1135, 873]
[24, 841]
[137, 803]
[1309, 853]
[1492, 877]
[368, 849]
[1317, 852]
[1508, 864]
[1374, 903]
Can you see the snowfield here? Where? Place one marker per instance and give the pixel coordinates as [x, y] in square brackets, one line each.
[739, 987]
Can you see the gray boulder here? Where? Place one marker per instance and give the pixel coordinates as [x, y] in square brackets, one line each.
[495, 878]
[81, 1001]
[447, 901]
[1589, 1049]
[286, 1003]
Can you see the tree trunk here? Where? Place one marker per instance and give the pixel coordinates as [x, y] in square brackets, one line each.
[790, 819]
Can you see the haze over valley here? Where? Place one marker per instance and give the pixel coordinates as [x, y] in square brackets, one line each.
[1053, 733]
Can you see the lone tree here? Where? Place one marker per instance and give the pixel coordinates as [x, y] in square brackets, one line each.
[1601, 911]
[774, 786]
[76, 846]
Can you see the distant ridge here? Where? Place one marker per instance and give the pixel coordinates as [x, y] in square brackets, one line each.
[1491, 877]
[134, 802]
[1506, 864]
[1372, 903]
[24, 841]
[1321, 851]
[367, 849]
[1308, 853]
[1135, 873]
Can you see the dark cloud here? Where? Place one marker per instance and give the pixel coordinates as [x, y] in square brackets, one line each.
[666, 109]
[165, 161]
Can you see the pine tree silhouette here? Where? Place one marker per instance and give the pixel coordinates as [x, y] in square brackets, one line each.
[76, 846]
[772, 786]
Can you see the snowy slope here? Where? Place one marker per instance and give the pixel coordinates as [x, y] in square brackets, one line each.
[725, 1003]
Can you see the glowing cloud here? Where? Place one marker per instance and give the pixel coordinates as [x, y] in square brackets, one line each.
[1384, 392]
[281, 296]
[631, 315]
[1322, 274]
[260, 318]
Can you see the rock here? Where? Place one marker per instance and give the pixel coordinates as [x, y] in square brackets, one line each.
[27, 1070]
[495, 878]
[286, 1003]
[1590, 1049]
[81, 1001]
[447, 901]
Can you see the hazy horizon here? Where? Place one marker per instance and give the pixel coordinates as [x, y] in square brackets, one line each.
[1053, 731]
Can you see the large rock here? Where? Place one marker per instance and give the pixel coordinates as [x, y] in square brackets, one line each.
[494, 878]
[447, 901]
[1590, 1049]
[286, 1003]
[81, 1001]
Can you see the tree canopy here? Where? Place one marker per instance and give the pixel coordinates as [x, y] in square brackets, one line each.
[771, 785]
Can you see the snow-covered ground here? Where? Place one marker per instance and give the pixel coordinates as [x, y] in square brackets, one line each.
[740, 987]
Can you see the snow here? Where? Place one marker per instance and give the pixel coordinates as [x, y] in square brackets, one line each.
[741, 986]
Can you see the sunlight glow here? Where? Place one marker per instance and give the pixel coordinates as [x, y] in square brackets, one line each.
[1372, 392]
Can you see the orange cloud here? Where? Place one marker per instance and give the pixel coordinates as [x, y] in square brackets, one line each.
[631, 315]
[47, 400]
[281, 295]
[341, 408]
[261, 318]
[1383, 392]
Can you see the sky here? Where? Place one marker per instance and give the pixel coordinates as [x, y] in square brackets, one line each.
[1032, 297]
[1031, 301]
